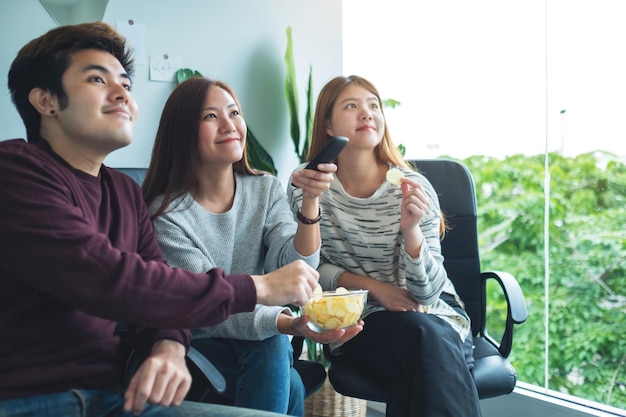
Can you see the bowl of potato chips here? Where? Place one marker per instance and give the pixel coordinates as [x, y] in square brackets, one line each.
[330, 310]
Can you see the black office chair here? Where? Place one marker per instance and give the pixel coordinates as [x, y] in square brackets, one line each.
[209, 383]
[493, 373]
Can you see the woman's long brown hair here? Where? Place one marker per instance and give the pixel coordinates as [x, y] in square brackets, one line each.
[385, 152]
[175, 161]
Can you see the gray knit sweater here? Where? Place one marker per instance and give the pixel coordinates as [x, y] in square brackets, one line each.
[255, 236]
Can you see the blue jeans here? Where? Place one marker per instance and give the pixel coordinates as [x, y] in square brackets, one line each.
[259, 374]
[100, 403]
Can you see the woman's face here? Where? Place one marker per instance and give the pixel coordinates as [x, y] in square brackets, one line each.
[222, 134]
[357, 115]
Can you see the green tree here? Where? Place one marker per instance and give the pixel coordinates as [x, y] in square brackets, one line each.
[587, 265]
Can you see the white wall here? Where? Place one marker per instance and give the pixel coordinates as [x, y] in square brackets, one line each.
[19, 23]
[242, 43]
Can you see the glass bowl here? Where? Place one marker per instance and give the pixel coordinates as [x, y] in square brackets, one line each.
[330, 310]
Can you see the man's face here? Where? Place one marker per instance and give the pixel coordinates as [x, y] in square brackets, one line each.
[101, 111]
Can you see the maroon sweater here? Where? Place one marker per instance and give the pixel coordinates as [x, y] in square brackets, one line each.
[78, 254]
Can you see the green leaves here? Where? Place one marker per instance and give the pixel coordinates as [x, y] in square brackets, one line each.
[258, 156]
[308, 117]
[291, 93]
[587, 261]
[390, 103]
[186, 73]
[315, 352]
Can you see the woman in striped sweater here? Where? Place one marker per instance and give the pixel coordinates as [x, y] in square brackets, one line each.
[385, 238]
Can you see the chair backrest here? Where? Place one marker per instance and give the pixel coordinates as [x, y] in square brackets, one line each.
[455, 187]
[137, 174]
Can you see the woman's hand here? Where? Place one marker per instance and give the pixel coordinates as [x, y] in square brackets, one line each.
[314, 183]
[415, 204]
[395, 298]
[297, 326]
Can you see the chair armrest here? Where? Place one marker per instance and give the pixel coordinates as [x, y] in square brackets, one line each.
[211, 373]
[213, 378]
[516, 309]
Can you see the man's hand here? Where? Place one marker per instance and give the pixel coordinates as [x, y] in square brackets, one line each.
[291, 284]
[163, 378]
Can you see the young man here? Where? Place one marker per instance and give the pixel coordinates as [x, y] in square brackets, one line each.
[79, 253]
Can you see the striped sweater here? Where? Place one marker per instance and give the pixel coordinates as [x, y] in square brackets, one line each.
[362, 236]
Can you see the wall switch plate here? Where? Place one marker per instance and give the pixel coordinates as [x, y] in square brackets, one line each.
[164, 67]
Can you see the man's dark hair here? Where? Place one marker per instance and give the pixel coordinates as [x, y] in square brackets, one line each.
[42, 62]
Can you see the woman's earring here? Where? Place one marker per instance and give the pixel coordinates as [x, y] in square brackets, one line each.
[52, 113]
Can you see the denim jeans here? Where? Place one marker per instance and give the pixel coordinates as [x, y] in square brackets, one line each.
[259, 374]
[100, 403]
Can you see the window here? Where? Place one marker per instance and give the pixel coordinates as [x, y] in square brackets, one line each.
[511, 88]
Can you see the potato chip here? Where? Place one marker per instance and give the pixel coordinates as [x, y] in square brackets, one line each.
[394, 176]
[335, 310]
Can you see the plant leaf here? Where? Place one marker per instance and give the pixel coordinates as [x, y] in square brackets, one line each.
[258, 156]
[309, 117]
[291, 93]
[186, 73]
[391, 103]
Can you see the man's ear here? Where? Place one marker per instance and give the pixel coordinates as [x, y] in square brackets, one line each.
[42, 101]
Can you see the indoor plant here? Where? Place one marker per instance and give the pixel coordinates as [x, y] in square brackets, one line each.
[291, 93]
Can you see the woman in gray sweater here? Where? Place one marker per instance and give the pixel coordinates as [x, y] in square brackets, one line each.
[212, 210]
